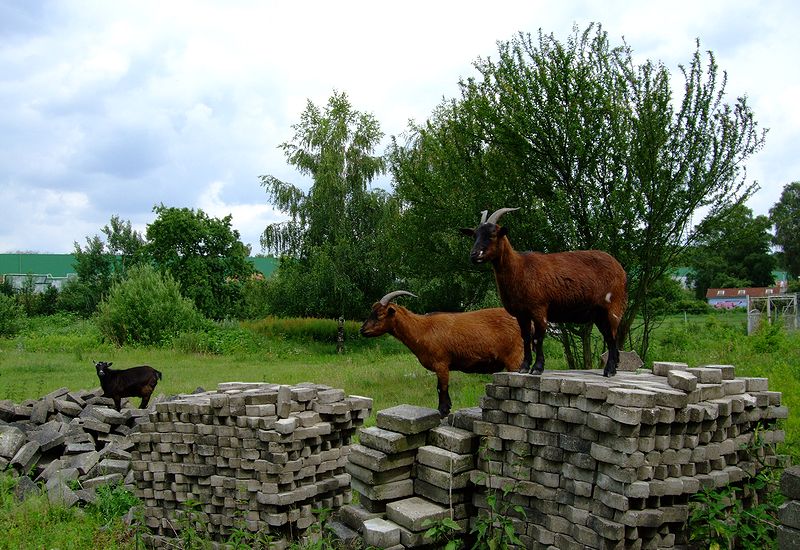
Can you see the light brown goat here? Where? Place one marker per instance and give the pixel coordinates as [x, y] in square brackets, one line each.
[582, 286]
[481, 341]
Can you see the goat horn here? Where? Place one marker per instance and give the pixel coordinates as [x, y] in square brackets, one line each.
[496, 216]
[483, 217]
[392, 295]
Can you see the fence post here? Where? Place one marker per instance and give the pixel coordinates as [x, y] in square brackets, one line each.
[340, 336]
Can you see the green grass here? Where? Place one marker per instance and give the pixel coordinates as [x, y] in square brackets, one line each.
[58, 351]
[36, 523]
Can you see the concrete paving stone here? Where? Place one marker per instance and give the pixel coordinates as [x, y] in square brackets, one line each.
[378, 461]
[84, 462]
[59, 493]
[408, 419]
[631, 398]
[377, 478]
[682, 380]
[453, 439]
[108, 415]
[108, 479]
[413, 512]
[442, 479]
[446, 497]
[790, 483]
[390, 442]
[26, 487]
[706, 375]
[728, 371]
[330, 396]
[788, 538]
[387, 491]
[445, 460]
[67, 407]
[11, 440]
[381, 533]
[756, 384]
[354, 516]
[26, 457]
[661, 368]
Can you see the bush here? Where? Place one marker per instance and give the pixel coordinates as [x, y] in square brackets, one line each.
[146, 308]
[10, 316]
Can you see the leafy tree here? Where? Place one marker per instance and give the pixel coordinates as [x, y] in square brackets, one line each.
[203, 254]
[332, 247]
[785, 216]
[592, 146]
[732, 251]
[101, 263]
[146, 308]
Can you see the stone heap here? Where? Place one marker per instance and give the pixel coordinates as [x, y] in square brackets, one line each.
[612, 462]
[789, 513]
[407, 470]
[253, 456]
[73, 441]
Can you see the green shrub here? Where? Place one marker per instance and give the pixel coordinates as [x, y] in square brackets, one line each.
[10, 316]
[146, 308]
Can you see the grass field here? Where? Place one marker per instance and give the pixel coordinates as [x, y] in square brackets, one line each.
[58, 351]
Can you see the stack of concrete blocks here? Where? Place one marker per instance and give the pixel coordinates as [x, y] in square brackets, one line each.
[789, 513]
[409, 470]
[612, 462]
[71, 441]
[254, 456]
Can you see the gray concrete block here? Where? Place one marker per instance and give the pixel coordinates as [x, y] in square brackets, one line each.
[628, 397]
[26, 457]
[790, 483]
[388, 491]
[413, 512]
[378, 461]
[661, 368]
[682, 380]
[408, 419]
[381, 533]
[11, 440]
[388, 441]
[444, 460]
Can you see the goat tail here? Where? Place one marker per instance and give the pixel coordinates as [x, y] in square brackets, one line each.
[158, 374]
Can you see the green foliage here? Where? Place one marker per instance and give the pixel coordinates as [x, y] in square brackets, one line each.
[444, 533]
[146, 308]
[204, 255]
[113, 502]
[100, 264]
[593, 147]
[36, 523]
[785, 216]
[333, 246]
[743, 516]
[732, 250]
[10, 316]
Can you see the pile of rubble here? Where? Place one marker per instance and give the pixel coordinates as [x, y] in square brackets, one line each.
[72, 441]
[252, 456]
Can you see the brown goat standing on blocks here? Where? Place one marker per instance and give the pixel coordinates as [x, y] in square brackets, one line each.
[481, 341]
[133, 382]
[582, 286]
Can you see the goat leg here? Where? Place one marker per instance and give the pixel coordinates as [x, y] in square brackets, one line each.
[539, 330]
[444, 395]
[525, 329]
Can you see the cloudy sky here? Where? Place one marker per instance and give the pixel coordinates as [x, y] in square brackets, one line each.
[111, 107]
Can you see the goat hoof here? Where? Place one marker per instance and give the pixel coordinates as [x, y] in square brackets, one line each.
[609, 373]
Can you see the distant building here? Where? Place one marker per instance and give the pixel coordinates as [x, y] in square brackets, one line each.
[44, 270]
[729, 298]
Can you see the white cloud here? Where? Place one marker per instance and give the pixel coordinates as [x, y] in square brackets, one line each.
[133, 104]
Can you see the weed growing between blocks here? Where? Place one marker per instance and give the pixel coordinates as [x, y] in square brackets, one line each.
[740, 517]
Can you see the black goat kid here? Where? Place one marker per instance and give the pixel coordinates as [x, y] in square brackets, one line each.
[133, 382]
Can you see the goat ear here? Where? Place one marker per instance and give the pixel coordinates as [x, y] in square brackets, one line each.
[467, 231]
[502, 232]
[390, 312]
